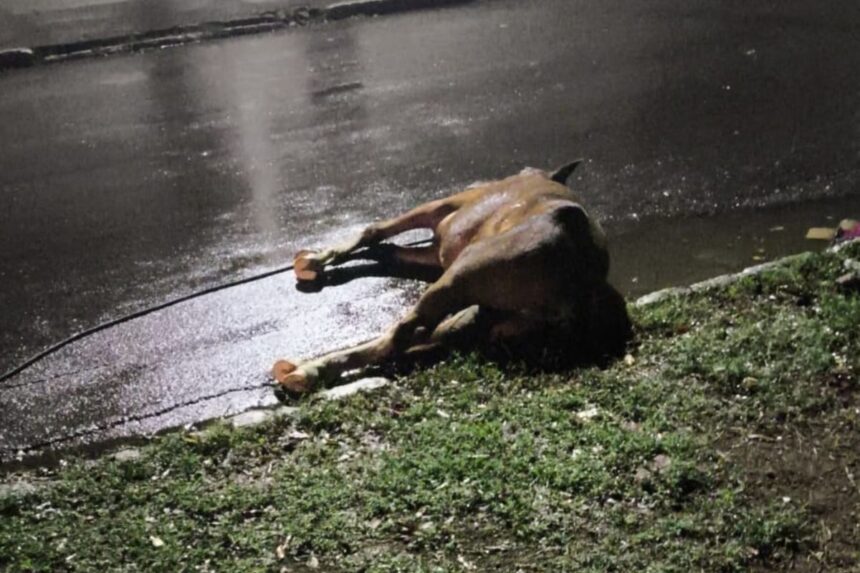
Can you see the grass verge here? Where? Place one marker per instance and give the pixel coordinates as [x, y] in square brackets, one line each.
[729, 440]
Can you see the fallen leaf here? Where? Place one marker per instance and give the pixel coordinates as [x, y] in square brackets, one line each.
[821, 234]
[281, 550]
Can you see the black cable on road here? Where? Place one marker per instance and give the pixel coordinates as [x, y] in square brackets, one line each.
[128, 317]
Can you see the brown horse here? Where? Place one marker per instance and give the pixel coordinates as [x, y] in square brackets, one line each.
[522, 250]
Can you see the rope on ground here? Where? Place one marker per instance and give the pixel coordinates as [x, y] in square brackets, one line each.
[128, 317]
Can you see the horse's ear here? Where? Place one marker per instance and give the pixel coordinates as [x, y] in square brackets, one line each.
[562, 174]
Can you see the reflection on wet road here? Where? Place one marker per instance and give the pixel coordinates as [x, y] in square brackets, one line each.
[129, 180]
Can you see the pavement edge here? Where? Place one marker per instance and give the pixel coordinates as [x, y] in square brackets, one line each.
[727, 279]
[28, 56]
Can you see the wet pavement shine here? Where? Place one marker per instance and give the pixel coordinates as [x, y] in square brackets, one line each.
[714, 135]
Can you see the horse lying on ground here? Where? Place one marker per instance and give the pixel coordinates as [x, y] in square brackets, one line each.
[518, 258]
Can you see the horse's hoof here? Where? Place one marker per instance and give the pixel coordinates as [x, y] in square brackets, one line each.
[281, 370]
[297, 383]
[293, 379]
[307, 265]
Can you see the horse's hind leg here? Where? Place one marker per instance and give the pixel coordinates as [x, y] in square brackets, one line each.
[388, 254]
[438, 302]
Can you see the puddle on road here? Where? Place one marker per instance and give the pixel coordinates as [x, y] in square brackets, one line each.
[650, 255]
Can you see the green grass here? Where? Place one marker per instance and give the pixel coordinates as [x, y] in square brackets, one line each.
[729, 442]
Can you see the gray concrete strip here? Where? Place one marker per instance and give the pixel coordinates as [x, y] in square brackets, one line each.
[342, 10]
[256, 416]
[252, 417]
[209, 30]
[347, 390]
[727, 279]
[175, 36]
[127, 455]
[718, 281]
[54, 22]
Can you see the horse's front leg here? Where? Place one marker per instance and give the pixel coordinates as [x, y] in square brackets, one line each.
[438, 302]
[319, 372]
[309, 264]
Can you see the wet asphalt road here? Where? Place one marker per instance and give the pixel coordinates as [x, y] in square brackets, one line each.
[714, 135]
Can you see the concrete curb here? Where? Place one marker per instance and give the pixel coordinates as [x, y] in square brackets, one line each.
[723, 280]
[342, 10]
[24, 57]
[257, 416]
[711, 283]
[127, 448]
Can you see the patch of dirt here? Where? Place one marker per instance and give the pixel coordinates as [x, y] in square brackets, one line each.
[817, 466]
